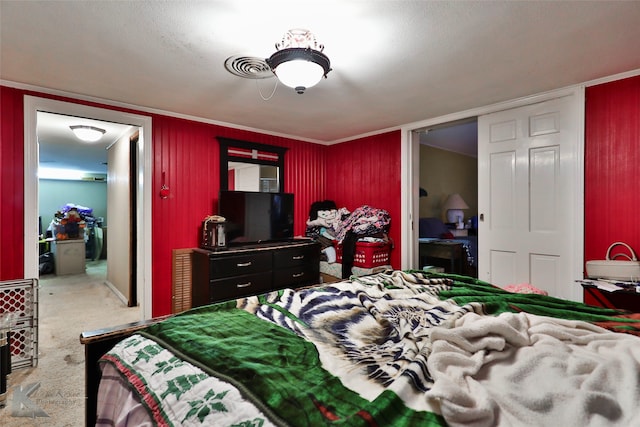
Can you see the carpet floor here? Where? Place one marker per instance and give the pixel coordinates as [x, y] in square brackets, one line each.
[68, 305]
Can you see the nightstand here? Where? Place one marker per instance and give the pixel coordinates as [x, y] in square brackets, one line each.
[621, 300]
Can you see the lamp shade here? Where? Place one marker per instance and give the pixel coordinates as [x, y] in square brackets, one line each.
[454, 206]
[455, 201]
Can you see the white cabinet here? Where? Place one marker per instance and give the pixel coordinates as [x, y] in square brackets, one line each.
[69, 256]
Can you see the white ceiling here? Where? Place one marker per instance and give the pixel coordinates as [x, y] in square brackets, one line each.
[60, 149]
[393, 62]
[460, 137]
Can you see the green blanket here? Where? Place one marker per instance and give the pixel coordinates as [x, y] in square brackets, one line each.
[277, 370]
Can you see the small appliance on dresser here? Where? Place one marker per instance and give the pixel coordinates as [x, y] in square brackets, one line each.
[213, 233]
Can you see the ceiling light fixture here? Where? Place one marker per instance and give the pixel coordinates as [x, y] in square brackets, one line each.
[87, 133]
[299, 62]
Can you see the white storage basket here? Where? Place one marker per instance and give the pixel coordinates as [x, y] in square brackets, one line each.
[609, 268]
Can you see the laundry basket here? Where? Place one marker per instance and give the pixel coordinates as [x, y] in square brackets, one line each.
[368, 254]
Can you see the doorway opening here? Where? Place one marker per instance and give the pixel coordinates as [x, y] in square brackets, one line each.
[83, 194]
[142, 214]
[448, 182]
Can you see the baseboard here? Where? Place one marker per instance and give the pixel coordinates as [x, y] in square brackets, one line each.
[115, 290]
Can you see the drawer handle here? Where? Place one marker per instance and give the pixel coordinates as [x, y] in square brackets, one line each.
[298, 257]
[243, 285]
[243, 264]
[295, 276]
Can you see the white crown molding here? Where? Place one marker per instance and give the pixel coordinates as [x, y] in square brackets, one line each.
[140, 109]
[414, 125]
[612, 78]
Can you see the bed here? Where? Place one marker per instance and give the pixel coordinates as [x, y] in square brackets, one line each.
[401, 348]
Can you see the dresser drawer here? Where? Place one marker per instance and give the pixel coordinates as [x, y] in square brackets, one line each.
[296, 276]
[292, 257]
[239, 264]
[239, 286]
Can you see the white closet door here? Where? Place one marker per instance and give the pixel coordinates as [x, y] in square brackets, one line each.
[527, 192]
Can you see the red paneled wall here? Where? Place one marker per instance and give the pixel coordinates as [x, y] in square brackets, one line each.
[188, 154]
[367, 171]
[11, 184]
[185, 158]
[612, 160]
[363, 171]
[185, 154]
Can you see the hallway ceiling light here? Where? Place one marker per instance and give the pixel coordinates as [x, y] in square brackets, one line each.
[299, 62]
[87, 133]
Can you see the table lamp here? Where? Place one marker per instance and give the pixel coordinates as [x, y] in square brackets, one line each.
[454, 206]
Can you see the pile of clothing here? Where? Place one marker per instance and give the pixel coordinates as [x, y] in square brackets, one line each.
[330, 226]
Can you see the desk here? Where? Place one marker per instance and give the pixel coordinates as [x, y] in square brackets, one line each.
[442, 253]
[45, 245]
[621, 300]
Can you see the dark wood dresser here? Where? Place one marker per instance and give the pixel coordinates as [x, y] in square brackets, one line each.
[240, 271]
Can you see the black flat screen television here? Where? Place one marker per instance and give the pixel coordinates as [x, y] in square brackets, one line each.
[253, 217]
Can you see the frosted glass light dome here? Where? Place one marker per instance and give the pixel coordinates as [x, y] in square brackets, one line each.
[87, 133]
[299, 73]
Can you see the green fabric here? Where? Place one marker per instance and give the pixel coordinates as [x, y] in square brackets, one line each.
[496, 300]
[292, 388]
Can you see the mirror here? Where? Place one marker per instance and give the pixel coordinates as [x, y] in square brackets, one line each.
[250, 166]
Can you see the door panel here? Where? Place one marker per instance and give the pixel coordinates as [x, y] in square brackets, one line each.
[503, 187]
[544, 175]
[545, 269]
[527, 159]
[503, 265]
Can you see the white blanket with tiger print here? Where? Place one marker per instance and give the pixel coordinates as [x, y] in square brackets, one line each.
[373, 337]
[474, 369]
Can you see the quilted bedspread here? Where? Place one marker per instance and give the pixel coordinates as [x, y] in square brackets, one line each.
[396, 348]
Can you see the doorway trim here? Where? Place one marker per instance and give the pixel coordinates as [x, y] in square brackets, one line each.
[32, 105]
[410, 163]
